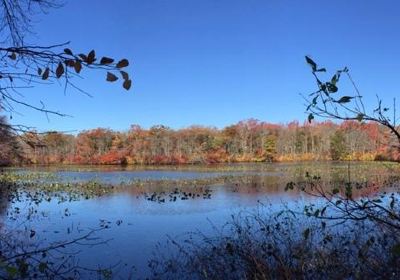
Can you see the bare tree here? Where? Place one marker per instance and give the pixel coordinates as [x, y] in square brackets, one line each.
[9, 148]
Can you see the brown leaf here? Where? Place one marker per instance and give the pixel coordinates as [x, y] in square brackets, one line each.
[46, 73]
[59, 70]
[83, 56]
[124, 75]
[91, 57]
[106, 60]
[111, 77]
[67, 51]
[127, 84]
[78, 66]
[70, 63]
[39, 71]
[122, 63]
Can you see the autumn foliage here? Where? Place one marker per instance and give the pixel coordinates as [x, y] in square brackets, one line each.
[246, 141]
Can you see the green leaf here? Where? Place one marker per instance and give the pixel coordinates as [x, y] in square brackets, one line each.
[11, 271]
[396, 250]
[23, 267]
[111, 77]
[334, 79]
[306, 233]
[13, 56]
[311, 63]
[335, 191]
[68, 51]
[229, 248]
[42, 267]
[310, 117]
[314, 101]
[345, 99]
[46, 73]
[323, 88]
[122, 63]
[332, 88]
[289, 186]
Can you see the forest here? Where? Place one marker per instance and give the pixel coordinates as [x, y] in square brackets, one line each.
[247, 141]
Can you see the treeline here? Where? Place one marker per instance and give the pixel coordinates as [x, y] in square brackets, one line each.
[246, 141]
[10, 148]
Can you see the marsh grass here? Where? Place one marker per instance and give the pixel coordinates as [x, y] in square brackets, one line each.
[281, 246]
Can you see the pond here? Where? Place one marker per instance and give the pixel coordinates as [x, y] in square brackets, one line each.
[145, 205]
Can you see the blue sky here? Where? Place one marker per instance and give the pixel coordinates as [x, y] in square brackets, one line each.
[214, 62]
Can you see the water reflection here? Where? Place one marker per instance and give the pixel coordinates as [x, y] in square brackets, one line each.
[4, 199]
[171, 202]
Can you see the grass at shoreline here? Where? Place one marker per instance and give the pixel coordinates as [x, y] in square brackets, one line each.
[258, 245]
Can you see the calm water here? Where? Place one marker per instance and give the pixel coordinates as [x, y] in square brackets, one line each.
[136, 224]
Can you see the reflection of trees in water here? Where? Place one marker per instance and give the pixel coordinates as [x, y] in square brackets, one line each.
[4, 201]
[337, 239]
[258, 184]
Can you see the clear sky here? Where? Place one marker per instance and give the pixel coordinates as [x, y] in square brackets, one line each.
[214, 62]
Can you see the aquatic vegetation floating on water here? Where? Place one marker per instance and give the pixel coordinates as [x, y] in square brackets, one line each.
[178, 194]
[17, 187]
